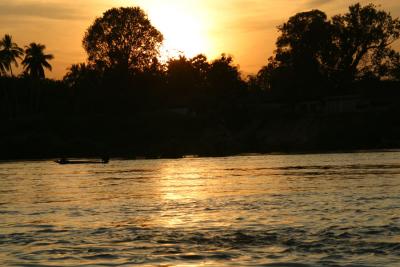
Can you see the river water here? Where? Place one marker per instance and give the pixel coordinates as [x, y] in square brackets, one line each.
[269, 210]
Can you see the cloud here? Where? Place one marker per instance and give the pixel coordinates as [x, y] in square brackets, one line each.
[254, 24]
[55, 11]
[317, 3]
[244, 16]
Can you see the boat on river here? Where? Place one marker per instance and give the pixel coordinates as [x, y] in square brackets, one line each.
[64, 161]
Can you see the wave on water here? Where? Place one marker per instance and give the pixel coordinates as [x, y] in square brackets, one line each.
[275, 211]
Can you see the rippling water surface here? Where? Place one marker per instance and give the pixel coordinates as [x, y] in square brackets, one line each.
[276, 210]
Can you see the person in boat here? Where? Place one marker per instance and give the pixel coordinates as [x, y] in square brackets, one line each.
[62, 161]
[105, 159]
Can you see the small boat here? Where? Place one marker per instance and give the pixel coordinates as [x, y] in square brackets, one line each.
[64, 161]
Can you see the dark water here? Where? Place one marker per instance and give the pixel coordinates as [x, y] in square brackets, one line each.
[292, 210]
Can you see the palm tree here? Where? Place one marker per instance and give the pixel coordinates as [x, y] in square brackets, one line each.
[3, 69]
[36, 60]
[9, 53]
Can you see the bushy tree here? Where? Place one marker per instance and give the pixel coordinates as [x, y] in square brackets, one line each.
[395, 68]
[314, 53]
[363, 37]
[186, 80]
[304, 42]
[123, 38]
[224, 78]
[80, 75]
[302, 58]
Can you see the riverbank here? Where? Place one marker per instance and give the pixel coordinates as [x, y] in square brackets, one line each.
[170, 135]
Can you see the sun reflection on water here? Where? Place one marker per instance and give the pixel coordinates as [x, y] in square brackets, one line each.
[197, 212]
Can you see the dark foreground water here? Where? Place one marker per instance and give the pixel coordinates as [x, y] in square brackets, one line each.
[291, 210]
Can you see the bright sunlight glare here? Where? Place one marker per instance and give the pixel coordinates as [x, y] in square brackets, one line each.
[184, 31]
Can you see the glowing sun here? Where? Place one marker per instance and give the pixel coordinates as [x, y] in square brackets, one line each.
[184, 31]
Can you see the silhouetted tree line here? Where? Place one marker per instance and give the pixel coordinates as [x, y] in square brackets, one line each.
[316, 59]
[34, 61]
[21, 95]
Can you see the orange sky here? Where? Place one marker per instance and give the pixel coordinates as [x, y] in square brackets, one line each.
[244, 28]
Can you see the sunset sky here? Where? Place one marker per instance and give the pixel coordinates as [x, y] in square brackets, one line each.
[244, 28]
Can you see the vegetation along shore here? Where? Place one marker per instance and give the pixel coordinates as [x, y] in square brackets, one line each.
[331, 84]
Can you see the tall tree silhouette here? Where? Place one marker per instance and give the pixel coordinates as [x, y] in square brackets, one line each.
[302, 55]
[224, 78]
[186, 79]
[314, 53]
[304, 41]
[363, 37]
[395, 67]
[36, 60]
[78, 74]
[9, 53]
[123, 38]
[3, 69]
